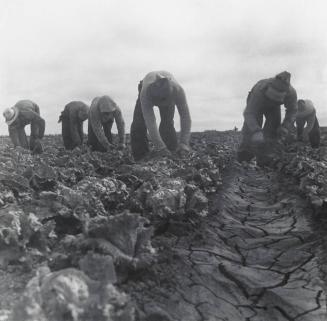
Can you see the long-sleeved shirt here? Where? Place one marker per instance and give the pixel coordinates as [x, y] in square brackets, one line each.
[176, 97]
[258, 104]
[106, 104]
[28, 113]
[73, 111]
[307, 114]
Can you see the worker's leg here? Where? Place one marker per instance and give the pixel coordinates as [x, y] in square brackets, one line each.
[299, 129]
[23, 141]
[107, 130]
[246, 150]
[66, 133]
[166, 129]
[314, 135]
[92, 140]
[139, 138]
[272, 122]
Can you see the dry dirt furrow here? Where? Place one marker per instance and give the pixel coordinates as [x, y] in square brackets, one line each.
[254, 258]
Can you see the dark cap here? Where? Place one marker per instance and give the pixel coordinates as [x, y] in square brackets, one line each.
[282, 81]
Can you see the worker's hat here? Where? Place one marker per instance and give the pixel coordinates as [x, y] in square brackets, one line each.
[279, 86]
[305, 108]
[10, 114]
[106, 104]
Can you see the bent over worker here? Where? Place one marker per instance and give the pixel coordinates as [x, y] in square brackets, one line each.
[306, 114]
[23, 113]
[159, 88]
[72, 118]
[265, 99]
[103, 112]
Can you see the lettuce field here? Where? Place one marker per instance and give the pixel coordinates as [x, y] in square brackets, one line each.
[96, 236]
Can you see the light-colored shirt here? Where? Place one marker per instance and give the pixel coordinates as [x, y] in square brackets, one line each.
[106, 104]
[175, 97]
[28, 113]
[307, 114]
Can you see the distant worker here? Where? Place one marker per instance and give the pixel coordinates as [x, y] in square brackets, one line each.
[306, 114]
[265, 99]
[160, 88]
[103, 112]
[25, 112]
[72, 118]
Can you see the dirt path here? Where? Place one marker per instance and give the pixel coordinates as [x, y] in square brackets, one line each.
[253, 259]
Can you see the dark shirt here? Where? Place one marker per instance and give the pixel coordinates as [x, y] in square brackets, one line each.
[177, 97]
[72, 111]
[259, 104]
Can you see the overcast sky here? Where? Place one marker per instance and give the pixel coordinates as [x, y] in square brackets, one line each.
[53, 52]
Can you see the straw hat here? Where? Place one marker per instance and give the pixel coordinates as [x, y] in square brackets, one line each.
[10, 114]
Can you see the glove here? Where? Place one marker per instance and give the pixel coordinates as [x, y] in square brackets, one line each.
[257, 138]
[183, 150]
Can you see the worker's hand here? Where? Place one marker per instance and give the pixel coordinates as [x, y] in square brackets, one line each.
[282, 131]
[163, 152]
[85, 148]
[305, 135]
[38, 148]
[110, 147]
[257, 138]
[121, 146]
[183, 150]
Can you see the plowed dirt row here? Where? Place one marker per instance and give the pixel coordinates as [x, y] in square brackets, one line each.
[254, 258]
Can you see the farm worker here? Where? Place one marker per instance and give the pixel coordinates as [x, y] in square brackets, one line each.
[265, 99]
[72, 118]
[23, 113]
[161, 89]
[102, 114]
[306, 114]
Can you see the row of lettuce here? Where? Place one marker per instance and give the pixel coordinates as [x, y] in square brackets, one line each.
[84, 221]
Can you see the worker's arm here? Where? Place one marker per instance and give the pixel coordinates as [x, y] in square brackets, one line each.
[36, 121]
[74, 127]
[185, 117]
[94, 119]
[120, 126]
[150, 120]
[290, 104]
[310, 122]
[252, 110]
[80, 131]
[14, 136]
